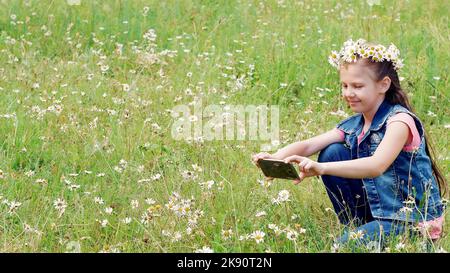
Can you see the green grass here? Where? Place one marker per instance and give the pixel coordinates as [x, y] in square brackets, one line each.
[52, 53]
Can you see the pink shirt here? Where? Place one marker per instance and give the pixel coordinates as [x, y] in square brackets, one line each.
[413, 138]
[432, 229]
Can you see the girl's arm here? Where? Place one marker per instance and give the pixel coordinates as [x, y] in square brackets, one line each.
[375, 165]
[310, 146]
[393, 141]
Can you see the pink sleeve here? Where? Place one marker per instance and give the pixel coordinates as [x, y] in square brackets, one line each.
[341, 133]
[414, 137]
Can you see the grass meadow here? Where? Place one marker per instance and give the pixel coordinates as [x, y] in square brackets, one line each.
[88, 161]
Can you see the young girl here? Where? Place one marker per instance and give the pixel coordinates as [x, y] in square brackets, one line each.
[376, 165]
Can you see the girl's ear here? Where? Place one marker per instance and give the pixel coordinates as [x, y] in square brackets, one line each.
[384, 84]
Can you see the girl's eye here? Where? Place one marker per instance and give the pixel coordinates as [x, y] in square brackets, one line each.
[358, 87]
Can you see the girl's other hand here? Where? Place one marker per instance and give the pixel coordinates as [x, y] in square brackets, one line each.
[257, 157]
[306, 166]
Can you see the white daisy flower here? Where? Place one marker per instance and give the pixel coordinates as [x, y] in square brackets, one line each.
[258, 236]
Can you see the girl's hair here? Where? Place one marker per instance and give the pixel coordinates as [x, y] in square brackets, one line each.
[396, 95]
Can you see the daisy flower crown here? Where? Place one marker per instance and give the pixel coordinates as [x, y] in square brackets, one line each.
[353, 49]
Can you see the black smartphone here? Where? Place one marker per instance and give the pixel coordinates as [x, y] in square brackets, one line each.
[278, 169]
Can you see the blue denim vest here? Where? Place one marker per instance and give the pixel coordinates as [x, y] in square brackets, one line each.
[391, 195]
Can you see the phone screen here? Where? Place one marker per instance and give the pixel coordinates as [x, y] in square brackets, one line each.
[278, 169]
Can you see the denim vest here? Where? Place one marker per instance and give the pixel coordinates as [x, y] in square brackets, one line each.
[391, 195]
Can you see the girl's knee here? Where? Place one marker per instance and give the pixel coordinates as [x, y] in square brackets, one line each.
[334, 152]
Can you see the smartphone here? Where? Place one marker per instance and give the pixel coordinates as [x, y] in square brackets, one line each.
[278, 169]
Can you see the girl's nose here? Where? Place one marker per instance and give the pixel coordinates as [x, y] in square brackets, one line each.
[349, 93]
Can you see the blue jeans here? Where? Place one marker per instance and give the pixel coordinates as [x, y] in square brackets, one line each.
[350, 203]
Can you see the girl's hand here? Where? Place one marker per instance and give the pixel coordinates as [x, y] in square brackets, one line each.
[257, 157]
[263, 155]
[306, 166]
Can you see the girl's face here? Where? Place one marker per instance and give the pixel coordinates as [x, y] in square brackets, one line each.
[360, 89]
